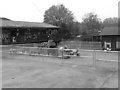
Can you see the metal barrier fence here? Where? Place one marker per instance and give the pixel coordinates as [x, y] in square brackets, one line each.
[97, 54]
[83, 45]
[56, 52]
[86, 57]
[70, 44]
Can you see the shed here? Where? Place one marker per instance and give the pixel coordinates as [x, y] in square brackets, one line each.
[110, 37]
[25, 32]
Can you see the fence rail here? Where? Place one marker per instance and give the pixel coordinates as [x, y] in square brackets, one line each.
[56, 52]
[87, 57]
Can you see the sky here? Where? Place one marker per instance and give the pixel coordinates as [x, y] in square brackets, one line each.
[33, 10]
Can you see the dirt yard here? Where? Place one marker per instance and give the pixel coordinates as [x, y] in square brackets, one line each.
[20, 71]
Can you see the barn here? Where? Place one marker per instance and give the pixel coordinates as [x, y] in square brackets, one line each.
[25, 32]
[110, 37]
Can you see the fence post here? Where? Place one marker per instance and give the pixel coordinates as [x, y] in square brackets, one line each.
[94, 58]
[62, 54]
[57, 52]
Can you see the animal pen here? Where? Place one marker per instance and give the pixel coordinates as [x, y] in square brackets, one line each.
[89, 57]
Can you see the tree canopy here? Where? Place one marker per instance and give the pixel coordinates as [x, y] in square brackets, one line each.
[92, 24]
[110, 21]
[60, 16]
[57, 15]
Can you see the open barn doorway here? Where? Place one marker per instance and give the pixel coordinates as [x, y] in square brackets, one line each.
[107, 45]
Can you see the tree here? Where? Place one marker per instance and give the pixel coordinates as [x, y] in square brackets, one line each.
[92, 23]
[75, 29]
[60, 16]
[83, 29]
[110, 21]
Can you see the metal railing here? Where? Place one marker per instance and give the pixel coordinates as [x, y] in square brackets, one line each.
[86, 57]
[83, 45]
[56, 52]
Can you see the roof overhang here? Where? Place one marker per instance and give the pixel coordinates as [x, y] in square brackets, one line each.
[22, 24]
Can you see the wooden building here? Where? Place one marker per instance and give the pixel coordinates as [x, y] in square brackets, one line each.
[110, 37]
[25, 32]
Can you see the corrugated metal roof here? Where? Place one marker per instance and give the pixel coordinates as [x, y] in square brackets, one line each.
[10, 23]
[112, 30]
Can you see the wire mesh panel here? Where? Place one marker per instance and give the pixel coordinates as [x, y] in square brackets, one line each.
[43, 51]
[106, 55]
[53, 51]
[96, 58]
[106, 58]
[86, 53]
[17, 50]
[82, 45]
[36, 51]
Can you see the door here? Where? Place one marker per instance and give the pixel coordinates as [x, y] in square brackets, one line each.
[107, 45]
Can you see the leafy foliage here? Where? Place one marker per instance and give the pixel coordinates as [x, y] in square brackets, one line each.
[60, 16]
[57, 15]
[110, 21]
[92, 24]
